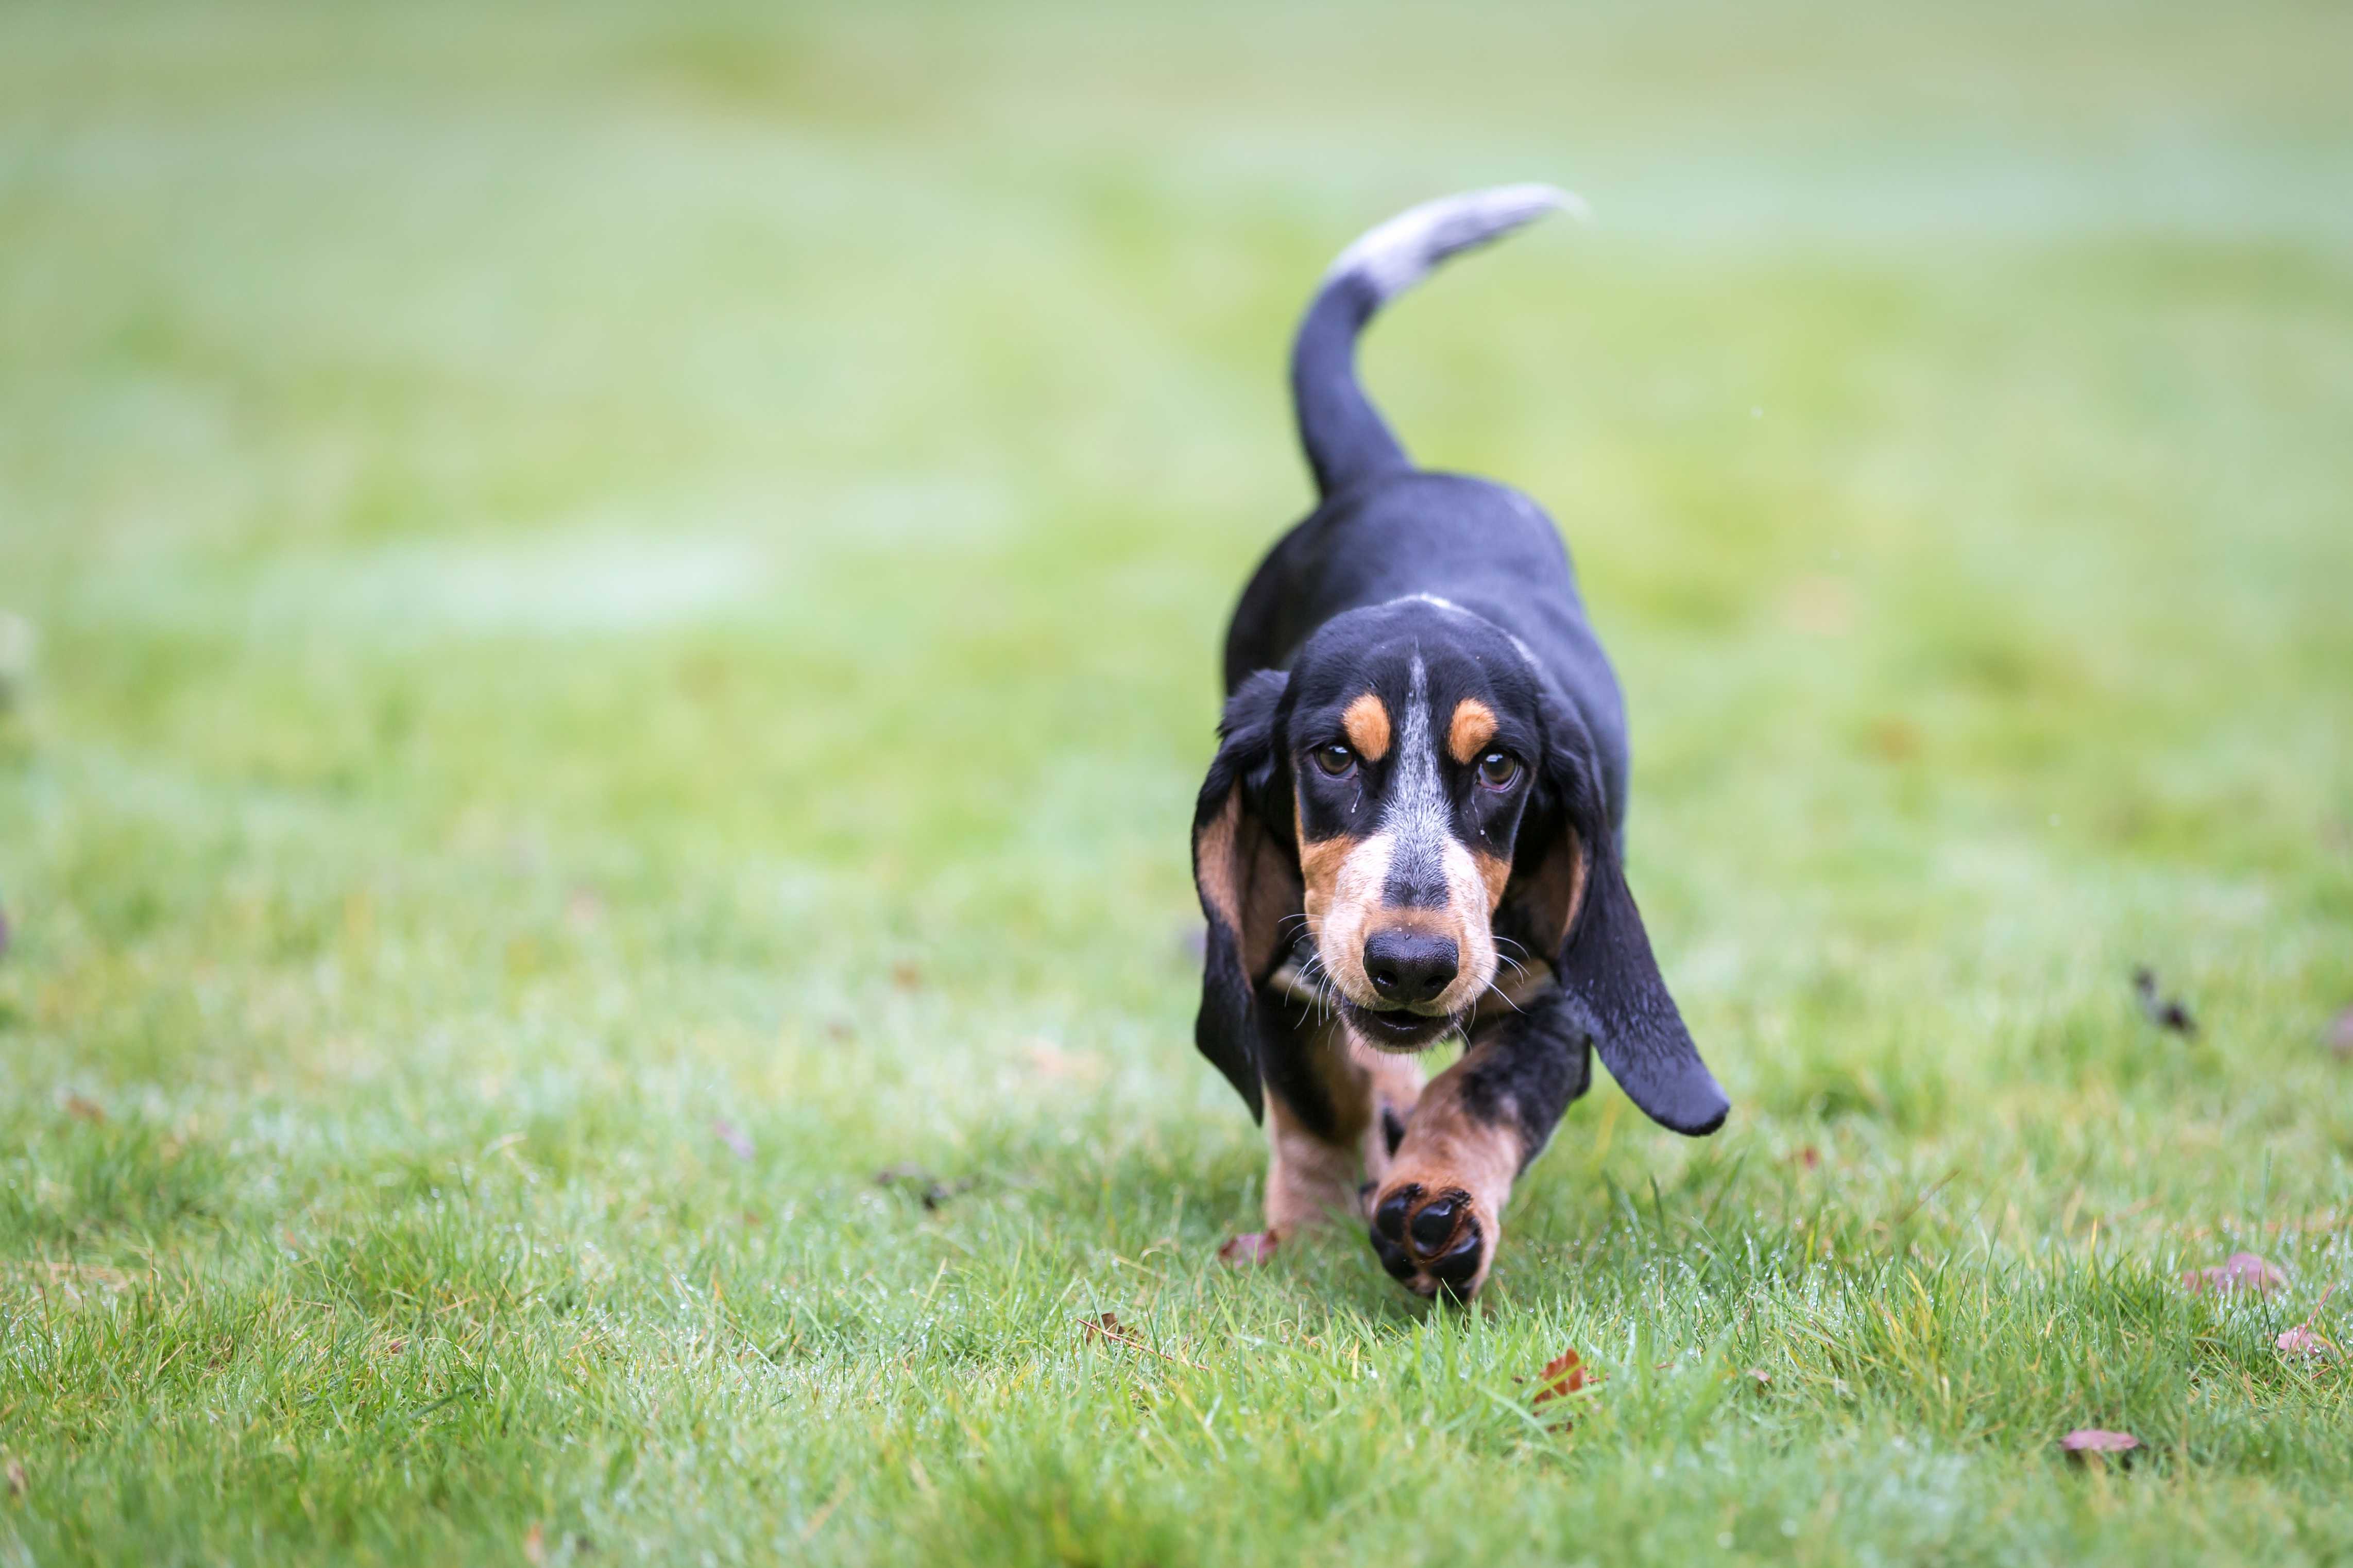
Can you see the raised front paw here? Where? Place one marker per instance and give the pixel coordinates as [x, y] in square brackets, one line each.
[1433, 1239]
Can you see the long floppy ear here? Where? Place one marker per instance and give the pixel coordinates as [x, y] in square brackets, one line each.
[1575, 896]
[1247, 872]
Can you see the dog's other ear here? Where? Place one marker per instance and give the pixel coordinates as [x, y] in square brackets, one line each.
[1247, 872]
[1600, 953]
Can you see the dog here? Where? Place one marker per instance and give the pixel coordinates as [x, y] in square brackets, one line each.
[1414, 824]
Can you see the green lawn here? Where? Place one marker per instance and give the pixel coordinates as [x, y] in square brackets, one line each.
[617, 588]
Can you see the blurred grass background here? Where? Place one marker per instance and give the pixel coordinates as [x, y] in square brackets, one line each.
[593, 572]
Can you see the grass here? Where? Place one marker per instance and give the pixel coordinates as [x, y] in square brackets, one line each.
[602, 576]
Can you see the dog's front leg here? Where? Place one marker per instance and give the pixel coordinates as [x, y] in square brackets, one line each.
[1334, 1113]
[1437, 1214]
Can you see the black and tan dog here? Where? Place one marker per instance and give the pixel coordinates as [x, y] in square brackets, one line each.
[1414, 824]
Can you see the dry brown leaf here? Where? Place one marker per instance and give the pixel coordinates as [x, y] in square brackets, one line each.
[534, 1544]
[2240, 1271]
[1562, 1376]
[907, 974]
[2093, 1440]
[88, 1110]
[14, 1472]
[1248, 1250]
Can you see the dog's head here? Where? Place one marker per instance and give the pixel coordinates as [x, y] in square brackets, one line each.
[1413, 793]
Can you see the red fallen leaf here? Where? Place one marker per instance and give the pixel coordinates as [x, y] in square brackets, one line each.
[534, 1544]
[2092, 1440]
[1562, 1376]
[2301, 1340]
[2240, 1271]
[1248, 1250]
[1807, 1157]
[738, 1142]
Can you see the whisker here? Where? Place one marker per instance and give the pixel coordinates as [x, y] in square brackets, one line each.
[1499, 991]
[1322, 990]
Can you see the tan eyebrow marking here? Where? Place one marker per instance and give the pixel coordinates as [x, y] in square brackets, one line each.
[1473, 727]
[1367, 724]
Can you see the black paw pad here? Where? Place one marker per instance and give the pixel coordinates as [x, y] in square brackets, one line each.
[1454, 1268]
[1431, 1244]
[1434, 1226]
[1393, 1257]
[1388, 1220]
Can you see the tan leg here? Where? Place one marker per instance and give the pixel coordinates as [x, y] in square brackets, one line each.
[1314, 1176]
[1437, 1215]
[1397, 1090]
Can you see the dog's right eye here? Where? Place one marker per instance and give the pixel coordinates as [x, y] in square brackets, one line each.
[1335, 760]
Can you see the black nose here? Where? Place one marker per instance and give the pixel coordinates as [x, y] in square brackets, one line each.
[1407, 966]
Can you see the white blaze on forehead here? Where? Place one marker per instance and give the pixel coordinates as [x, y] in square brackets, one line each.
[1416, 817]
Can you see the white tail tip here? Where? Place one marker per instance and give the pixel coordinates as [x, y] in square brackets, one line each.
[1400, 252]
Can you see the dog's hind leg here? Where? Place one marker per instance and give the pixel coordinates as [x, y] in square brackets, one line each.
[1437, 1213]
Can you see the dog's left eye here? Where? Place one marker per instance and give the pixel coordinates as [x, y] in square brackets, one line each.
[1498, 770]
[1335, 760]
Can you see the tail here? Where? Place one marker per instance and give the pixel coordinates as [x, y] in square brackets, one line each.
[1345, 437]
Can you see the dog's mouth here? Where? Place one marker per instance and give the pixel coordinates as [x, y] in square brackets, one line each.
[1395, 1029]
